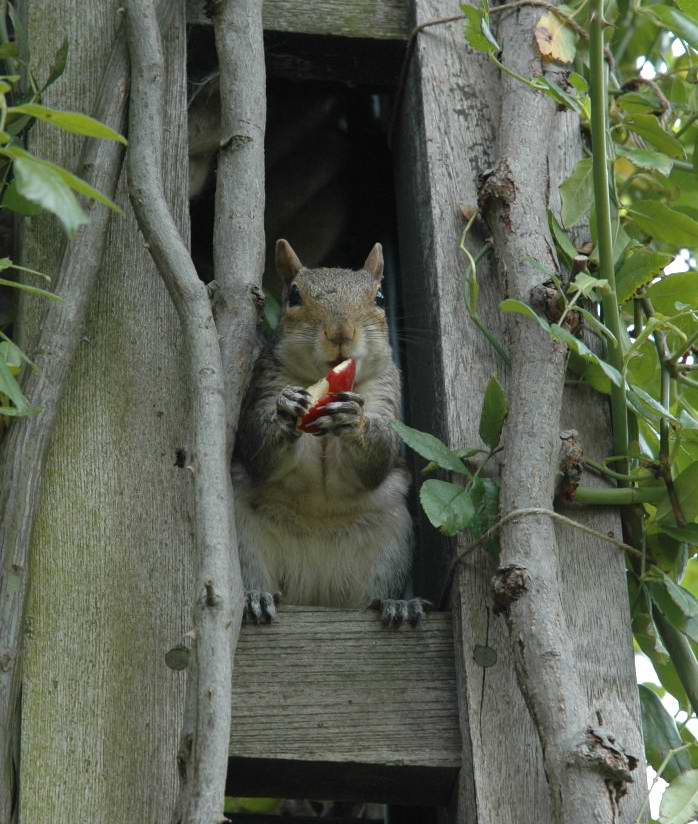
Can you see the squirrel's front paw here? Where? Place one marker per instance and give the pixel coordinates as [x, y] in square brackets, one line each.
[345, 413]
[260, 607]
[396, 611]
[293, 402]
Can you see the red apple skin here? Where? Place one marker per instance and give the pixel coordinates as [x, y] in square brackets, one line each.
[339, 381]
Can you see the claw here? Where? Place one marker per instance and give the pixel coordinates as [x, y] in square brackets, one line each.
[260, 606]
[397, 611]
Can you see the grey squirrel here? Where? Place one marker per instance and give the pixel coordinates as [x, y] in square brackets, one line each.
[323, 517]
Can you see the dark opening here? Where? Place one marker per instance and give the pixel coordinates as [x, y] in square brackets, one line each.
[330, 192]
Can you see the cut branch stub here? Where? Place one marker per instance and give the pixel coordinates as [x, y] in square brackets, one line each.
[600, 750]
[571, 466]
[508, 585]
[498, 185]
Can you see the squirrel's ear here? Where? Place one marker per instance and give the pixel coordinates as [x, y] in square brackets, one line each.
[374, 262]
[287, 263]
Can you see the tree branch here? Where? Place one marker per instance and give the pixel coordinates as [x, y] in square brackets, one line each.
[211, 664]
[24, 449]
[238, 233]
[577, 760]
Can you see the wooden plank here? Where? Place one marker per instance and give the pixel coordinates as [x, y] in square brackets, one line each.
[101, 713]
[359, 61]
[375, 19]
[445, 140]
[330, 704]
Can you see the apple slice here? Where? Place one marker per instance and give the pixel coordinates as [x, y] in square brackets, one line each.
[339, 379]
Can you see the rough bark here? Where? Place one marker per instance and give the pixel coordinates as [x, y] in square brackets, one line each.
[211, 666]
[586, 770]
[23, 451]
[445, 139]
[111, 545]
[238, 234]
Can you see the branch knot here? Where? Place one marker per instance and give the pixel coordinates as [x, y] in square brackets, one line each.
[600, 750]
[508, 585]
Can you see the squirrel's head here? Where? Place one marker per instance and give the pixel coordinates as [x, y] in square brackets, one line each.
[329, 315]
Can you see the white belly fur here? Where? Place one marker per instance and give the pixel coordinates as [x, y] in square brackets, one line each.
[319, 534]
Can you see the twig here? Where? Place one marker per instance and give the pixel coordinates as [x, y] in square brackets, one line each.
[24, 448]
[212, 661]
[523, 513]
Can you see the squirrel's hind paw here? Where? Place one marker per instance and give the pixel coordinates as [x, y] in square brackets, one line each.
[398, 611]
[260, 607]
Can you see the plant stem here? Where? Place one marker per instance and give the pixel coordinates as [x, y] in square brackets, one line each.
[619, 496]
[604, 229]
[681, 654]
[667, 367]
[609, 473]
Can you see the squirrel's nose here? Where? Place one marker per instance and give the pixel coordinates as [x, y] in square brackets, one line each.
[340, 333]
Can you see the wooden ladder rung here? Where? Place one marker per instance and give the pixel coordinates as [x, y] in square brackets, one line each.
[329, 704]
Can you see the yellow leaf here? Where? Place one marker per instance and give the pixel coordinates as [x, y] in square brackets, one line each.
[555, 41]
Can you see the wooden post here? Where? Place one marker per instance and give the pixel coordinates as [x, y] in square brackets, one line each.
[112, 548]
[445, 140]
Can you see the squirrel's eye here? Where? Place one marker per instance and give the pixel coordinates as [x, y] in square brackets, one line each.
[294, 296]
[380, 299]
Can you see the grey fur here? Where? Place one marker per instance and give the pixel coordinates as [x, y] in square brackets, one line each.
[324, 518]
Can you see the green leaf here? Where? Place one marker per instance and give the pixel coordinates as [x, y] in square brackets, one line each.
[580, 348]
[449, 507]
[647, 159]
[519, 308]
[645, 404]
[578, 82]
[58, 65]
[638, 102]
[577, 193]
[687, 534]
[10, 388]
[660, 735]
[680, 24]
[665, 224]
[685, 486]
[562, 240]
[646, 635]
[32, 290]
[679, 804]
[689, 7]
[477, 32]
[494, 412]
[8, 51]
[12, 355]
[41, 185]
[594, 323]
[75, 183]
[640, 265]
[14, 201]
[688, 738]
[647, 126]
[681, 288]
[586, 284]
[557, 93]
[485, 496]
[73, 122]
[430, 447]
[675, 603]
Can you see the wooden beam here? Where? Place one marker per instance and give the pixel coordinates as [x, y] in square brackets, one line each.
[375, 19]
[444, 141]
[330, 704]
